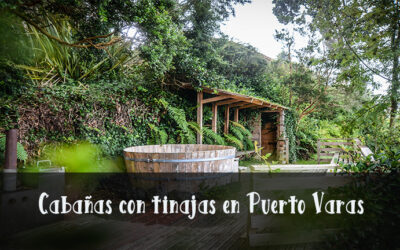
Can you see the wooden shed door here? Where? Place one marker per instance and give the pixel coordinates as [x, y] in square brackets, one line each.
[268, 137]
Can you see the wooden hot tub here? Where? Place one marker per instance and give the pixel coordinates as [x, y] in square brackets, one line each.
[180, 158]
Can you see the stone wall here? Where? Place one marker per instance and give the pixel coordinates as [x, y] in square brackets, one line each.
[256, 129]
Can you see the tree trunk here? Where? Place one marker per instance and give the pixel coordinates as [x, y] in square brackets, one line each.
[290, 71]
[394, 90]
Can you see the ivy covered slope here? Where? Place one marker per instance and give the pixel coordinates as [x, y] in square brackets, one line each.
[113, 114]
[112, 90]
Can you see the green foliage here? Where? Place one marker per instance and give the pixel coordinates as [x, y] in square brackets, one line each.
[112, 139]
[158, 136]
[233, 141]
[381, 163]
[342, 27]
[178, 115]
[187, 130]
[377, 183]
[195, 127]
[264, 158]
[371, 122]
[310, 129]
[124, 94]
[14, 42]
[53, 62]
[80, 158]
[211, 137]
[290, 129]
[83, 112]
[12, 83]
[237, 133]
[242, 134]
[22, 155]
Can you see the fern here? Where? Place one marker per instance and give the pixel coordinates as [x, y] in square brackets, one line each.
[191, 137]
[194, 126]
[178, 115]
[159, 136]
[163, 136]
[164, 103]
[211, 137]
[237, 133]
[249, 143]
[244, 130]
[242, 134]
[183, 138]
[171, 140]
[234, 141]
[207, 140]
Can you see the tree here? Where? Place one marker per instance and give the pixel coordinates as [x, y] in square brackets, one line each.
[95, 27]
[242, 65]
[200, 22]
[288, 40]
[363, 37]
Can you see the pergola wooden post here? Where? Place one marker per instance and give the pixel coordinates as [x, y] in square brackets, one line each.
[214, 117]
[226, 124]
[200, 116]
[236, 115]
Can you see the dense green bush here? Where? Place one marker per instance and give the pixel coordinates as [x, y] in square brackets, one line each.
[111, 113]
[376, 181]
[309, 130]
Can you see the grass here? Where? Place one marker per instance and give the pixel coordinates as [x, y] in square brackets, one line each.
[249, 162]
[252, 161]
[312, 160]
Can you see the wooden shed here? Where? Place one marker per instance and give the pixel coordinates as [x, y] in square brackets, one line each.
[268, 126]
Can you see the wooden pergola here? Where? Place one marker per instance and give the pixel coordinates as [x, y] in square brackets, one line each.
[233, 101]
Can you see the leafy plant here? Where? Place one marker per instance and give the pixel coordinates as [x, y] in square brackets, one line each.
[381, 163]
[22, 155]
[212, 138]
[178, 115]
[376, 182]
[243, 134]
[158, 135]
[233, 141]
[80, 157]
[53, 62]
[258, 151]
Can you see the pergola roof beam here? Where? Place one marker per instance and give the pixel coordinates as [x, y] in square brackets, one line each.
[224, 94]
[248, 106]
[237, 104]
[215, 99]
[227, 102]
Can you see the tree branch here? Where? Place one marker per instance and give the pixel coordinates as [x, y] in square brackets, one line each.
[359, 59]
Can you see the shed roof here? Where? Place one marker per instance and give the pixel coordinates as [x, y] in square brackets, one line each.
[240, 101]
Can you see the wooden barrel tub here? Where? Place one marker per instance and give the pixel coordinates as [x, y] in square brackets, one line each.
[182, 167]
[180, 158]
